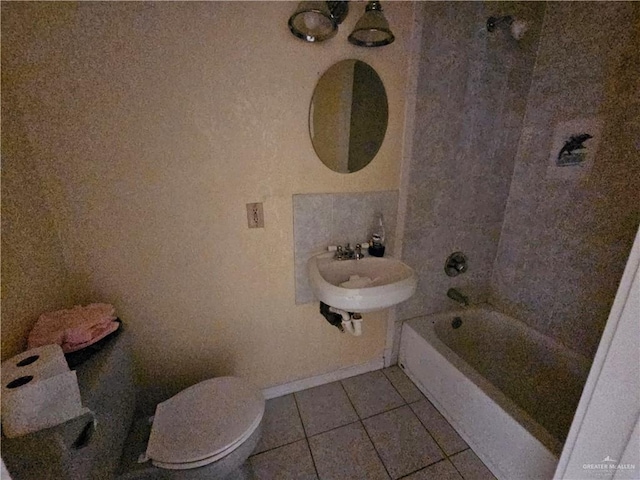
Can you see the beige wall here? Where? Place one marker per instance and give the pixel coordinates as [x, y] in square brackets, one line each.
[34, 275]
[152, 125]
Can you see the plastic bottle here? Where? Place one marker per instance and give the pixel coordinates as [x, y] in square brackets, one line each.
[376, 246]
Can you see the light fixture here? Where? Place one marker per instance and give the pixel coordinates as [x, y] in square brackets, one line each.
[316, 21]
[372, 30]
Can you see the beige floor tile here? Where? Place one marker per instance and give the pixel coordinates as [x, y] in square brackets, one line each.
[291, 462]
[372, 393]
[443, 470]
[281, 424]
[403, 384]
[471, 467]
[402, 441]
[325, 407]
[346, 453]
[438, 427]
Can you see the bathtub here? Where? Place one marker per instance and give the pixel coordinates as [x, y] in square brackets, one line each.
[509, 391]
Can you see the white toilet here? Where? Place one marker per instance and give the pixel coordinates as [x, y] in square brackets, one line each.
[200, 428]
[206, 431]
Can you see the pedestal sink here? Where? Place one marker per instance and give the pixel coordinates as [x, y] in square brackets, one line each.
[364, 285]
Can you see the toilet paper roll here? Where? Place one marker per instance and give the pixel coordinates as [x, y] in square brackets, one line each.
[39, 363]
[29, 405]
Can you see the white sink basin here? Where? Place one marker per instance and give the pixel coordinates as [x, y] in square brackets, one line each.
[364, 285]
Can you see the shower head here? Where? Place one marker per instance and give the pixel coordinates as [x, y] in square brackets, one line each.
[517, 28]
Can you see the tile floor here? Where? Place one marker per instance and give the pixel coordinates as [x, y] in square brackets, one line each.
[373, 426]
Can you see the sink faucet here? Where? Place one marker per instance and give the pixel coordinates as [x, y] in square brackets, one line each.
[348, 253]
[454, 294]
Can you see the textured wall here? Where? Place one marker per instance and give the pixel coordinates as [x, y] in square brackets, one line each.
[470, 99]
[564, 244]
[478, 173]
[152, 125]
[34, 275]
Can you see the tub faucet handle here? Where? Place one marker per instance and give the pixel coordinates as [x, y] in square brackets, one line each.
[456, 264]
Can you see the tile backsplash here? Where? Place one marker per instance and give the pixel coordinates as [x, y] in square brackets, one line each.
[323, 219]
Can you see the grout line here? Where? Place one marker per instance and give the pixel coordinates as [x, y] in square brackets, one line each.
[430, 434]
[333, 428]
[275, 448]
[384, 411]
[422, 395]
[304, 429]
[459, 451]
[456, 468]
[367, 434]
[375, 449]
[313, 460]
[404, 404]
[425, 425]
[424, 468]
[396, 388]
[306, 438]
[378, 413]
[446, 456]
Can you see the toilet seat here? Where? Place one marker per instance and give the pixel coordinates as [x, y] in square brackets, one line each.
[204, 423]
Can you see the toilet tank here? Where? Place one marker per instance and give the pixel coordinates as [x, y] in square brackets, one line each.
[75, 450]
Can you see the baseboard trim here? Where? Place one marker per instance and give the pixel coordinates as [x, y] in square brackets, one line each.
[340, 374]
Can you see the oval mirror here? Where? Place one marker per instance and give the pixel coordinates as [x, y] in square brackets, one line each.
[348, 116]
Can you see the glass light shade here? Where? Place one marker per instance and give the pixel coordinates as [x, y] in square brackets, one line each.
[372, 30]
[313, 22]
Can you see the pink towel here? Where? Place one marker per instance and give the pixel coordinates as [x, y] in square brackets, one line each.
[75, 328]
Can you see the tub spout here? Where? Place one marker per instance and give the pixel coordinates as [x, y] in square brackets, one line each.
[454, 294]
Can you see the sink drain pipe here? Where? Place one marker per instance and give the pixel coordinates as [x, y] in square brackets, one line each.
[352, 323]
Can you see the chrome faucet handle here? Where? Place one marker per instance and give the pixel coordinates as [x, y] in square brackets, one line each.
[358, 253]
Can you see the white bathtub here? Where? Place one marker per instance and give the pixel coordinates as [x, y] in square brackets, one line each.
[509, 391]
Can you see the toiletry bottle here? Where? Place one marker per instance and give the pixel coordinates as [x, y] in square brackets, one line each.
[376, 246]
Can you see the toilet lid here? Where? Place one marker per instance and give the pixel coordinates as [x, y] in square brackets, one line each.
[204, 422]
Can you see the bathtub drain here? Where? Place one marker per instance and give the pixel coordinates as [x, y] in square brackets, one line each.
[457, 322]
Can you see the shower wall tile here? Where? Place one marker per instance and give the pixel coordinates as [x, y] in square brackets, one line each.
[427, 252]
[548, 252]
[324, 219]
[431, 297]
[587, 38]
[471, 100]
[564, 244]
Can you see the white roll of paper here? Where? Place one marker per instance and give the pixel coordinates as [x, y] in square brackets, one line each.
[38, 391]
[40, 363]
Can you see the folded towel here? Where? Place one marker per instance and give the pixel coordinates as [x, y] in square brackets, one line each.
[75, 328]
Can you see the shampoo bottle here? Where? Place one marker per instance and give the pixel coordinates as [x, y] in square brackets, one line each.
[376, 246]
